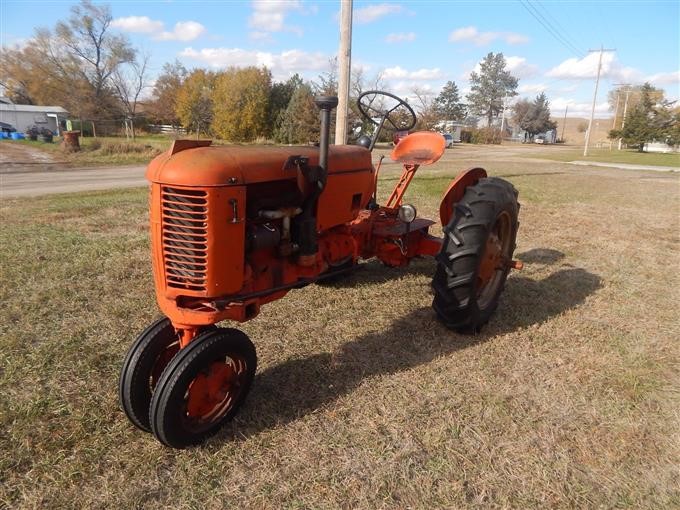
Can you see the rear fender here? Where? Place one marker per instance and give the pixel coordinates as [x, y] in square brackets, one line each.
[456, 191]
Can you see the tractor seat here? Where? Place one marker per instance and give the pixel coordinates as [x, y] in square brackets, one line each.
[419, 148]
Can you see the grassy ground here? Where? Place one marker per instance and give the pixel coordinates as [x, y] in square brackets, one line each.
[106, 150]
[614, 156]
[569, 398]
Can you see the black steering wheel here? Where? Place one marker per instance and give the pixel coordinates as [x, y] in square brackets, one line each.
[382, 108]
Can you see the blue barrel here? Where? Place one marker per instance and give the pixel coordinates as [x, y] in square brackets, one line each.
[15, 136]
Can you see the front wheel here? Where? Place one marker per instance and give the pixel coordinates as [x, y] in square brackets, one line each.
[202, 387]
[475, 258]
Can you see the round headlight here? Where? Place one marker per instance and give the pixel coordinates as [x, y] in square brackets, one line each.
[407, 213]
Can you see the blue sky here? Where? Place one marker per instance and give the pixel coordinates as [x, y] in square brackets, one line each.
[411, 44]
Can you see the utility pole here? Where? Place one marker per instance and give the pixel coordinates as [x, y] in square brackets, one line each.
[620, 87]
[564, 124]
[345, 65]
[597, 84]
[625, 109]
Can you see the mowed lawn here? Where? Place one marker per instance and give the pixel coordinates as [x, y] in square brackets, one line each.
[570, 397]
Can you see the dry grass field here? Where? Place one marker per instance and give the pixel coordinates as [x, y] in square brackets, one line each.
[569, 398]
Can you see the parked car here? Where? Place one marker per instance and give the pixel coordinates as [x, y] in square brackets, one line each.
[449, 140]
[7, 128]
[398, 135]
[540, 139]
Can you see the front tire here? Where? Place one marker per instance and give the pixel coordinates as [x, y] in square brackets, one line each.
[145, 361]
[473, 264]
[203, 387]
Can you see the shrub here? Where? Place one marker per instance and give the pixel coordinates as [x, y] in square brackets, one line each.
[111, 148]
[487, 135]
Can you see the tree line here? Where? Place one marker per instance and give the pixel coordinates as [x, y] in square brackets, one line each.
[96, 74]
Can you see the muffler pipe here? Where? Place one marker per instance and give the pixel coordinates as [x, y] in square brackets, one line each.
[326, 105]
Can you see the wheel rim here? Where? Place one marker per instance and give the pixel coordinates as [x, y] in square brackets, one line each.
[493, 263]
[161, 362]
[213, 393]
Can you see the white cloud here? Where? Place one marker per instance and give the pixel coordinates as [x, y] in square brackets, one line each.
[138, 24]
[269, 16]
[399, 73]
[586, 68]
[672, 78]
[519, 67]
[371, 13]
[471, 34]
[183, 31]
[535, 88]
[280, 64]
[578, 108]
[400, 37]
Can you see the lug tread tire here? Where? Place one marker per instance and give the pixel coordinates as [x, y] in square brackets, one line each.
[164, 415]
[455, 280]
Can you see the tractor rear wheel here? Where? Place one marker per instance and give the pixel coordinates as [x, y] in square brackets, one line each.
[475, 257]
[203, 387]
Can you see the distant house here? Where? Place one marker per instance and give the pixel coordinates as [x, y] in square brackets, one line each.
[23, 116]
[451, 127]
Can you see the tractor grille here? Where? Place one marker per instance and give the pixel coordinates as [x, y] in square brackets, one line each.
[185, 237]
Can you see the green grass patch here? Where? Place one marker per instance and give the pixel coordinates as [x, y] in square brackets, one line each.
[614, 156]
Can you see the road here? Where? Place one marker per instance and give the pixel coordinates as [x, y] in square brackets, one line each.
[31, 182]
[26, 172]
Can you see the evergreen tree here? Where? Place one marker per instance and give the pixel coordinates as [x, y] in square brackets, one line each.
[448, 105]
[641, 124]
[490, 87]
[279, 97]
[300, 120]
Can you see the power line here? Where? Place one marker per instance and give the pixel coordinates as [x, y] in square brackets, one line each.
[564, 31]
[550, 28]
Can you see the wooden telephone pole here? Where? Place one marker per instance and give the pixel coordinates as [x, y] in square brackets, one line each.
[345, 65]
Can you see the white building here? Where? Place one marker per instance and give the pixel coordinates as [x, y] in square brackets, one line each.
[23, 116]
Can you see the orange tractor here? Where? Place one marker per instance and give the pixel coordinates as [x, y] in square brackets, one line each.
[234, 228]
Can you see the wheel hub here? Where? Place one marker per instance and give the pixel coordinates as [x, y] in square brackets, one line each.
[212, 391]
[491, 260]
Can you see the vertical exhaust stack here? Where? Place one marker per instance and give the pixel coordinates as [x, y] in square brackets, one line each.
[306, 222]
[326, 105]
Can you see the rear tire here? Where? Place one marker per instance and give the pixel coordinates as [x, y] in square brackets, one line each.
[472, 266]
[203, 387]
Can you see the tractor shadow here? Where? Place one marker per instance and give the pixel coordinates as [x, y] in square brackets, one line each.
[375, 272]
[297, 387]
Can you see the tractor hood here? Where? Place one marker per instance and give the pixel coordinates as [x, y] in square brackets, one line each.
[195, 164]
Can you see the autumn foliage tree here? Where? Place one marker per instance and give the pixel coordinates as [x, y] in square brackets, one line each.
[163, 106]
[241, 103]
[71, 65]
[194, 104]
